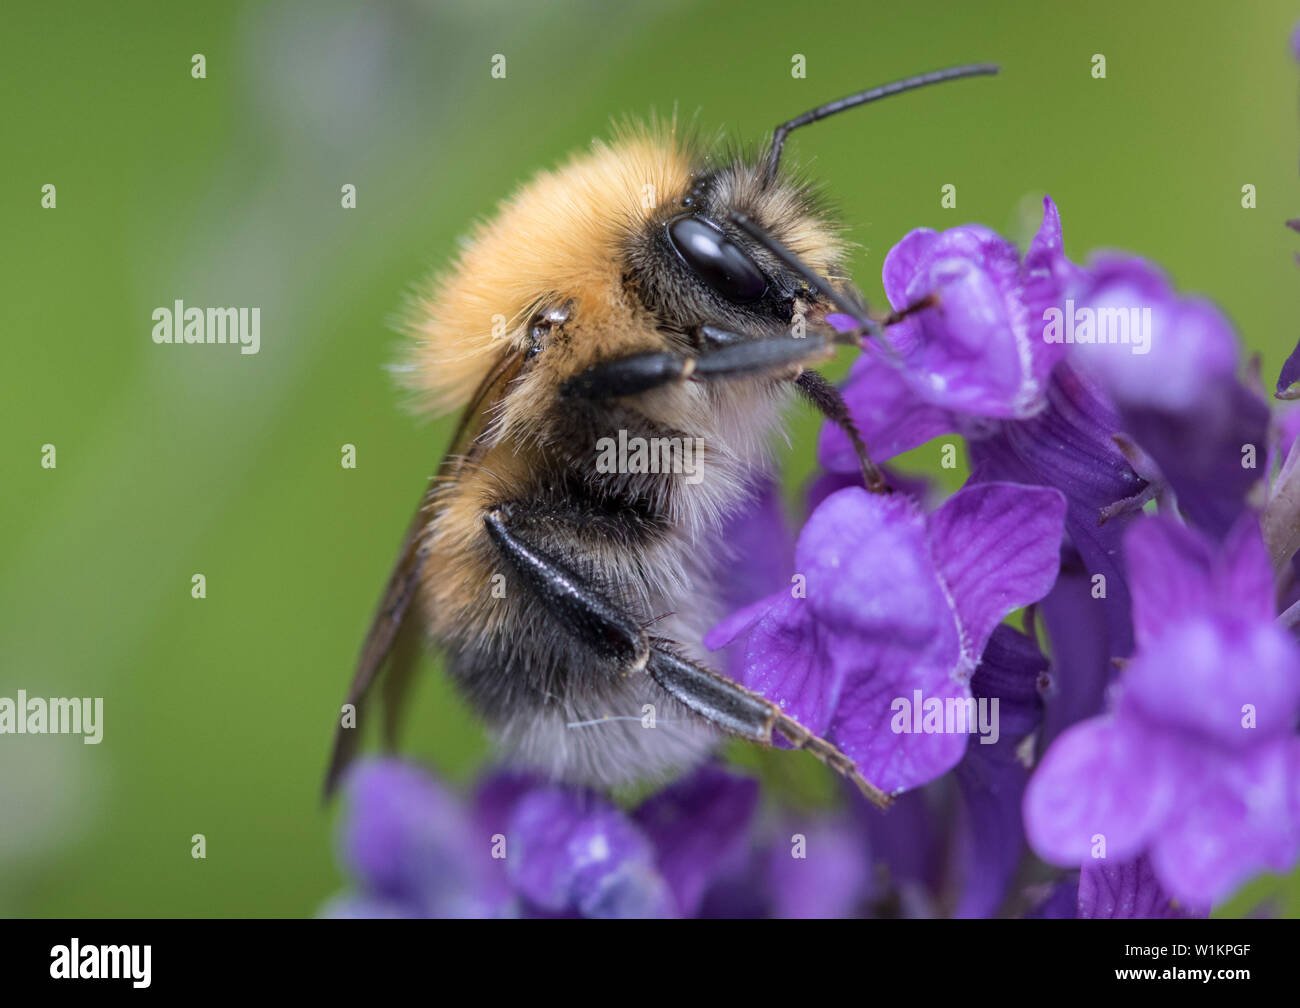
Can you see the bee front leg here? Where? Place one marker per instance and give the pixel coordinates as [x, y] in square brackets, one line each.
[731, 355]
[615, 636]
[826, 399]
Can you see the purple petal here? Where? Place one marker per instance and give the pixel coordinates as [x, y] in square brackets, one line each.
[1126, 891]
[991, 779]
[1013, 671]
[1243, 574]
[410, 842]
[1169, 572]
[759, 546]
[574, 851]
[1286, 419]
[884, 630]
[832, 880]
[784, 660]
[1045, 274]
[977, 353]
[989, 837]
[909, 842]
[873, 602]
[1211, 456]
[742, 621]
[881, 721]
[1232, 682]
[972, 350]
[869, 571]
[998, 548]
[494, 802]
[696, 825]
[1069, 446]
[755, 550]
[1176, 389]
[891, 415]
[1243, 820]
[1077, 624]
[1073, 802]
[980, 351]
[904, 261]
[496, 796]
[1186, 348]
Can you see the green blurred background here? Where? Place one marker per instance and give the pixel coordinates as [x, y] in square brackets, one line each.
[172, 461]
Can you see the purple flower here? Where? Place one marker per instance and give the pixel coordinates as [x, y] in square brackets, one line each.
[414, 850]
[954, 846]
[698, 826]
[525, 848]
[812, 865]
[910, 846]
[1086, 633]
[756, 545]
[1059, 901]
[1141, 342]
[988, 835]
[1169, 365]
[1110, 890]
[978, 353]
[819, 870]
[1123, 891]
[978, 364]
[1197, 764]
[1070, 446]
[575, 854]
[896, 610]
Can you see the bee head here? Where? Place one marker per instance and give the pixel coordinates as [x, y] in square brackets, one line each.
[693, 269]
[747, 248]
[642, 244]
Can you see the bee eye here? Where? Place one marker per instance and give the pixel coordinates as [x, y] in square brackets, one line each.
[715, 260]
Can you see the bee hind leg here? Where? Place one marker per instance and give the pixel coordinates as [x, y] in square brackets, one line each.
[577, 605]
[605, 627]
[746, 714]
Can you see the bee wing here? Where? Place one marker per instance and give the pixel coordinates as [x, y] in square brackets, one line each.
[391, 634]
[384, 627]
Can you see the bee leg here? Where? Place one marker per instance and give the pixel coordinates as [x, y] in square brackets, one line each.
[826, 398]
[732, 356]
[894, 317]
[741, 712]
[743, 357]
[615, 636]
[628, 375]
[579, 606]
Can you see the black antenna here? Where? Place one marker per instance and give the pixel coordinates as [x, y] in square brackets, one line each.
[862, 98]
[867, 326]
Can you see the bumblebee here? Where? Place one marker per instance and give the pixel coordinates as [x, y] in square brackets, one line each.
[647, 291]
